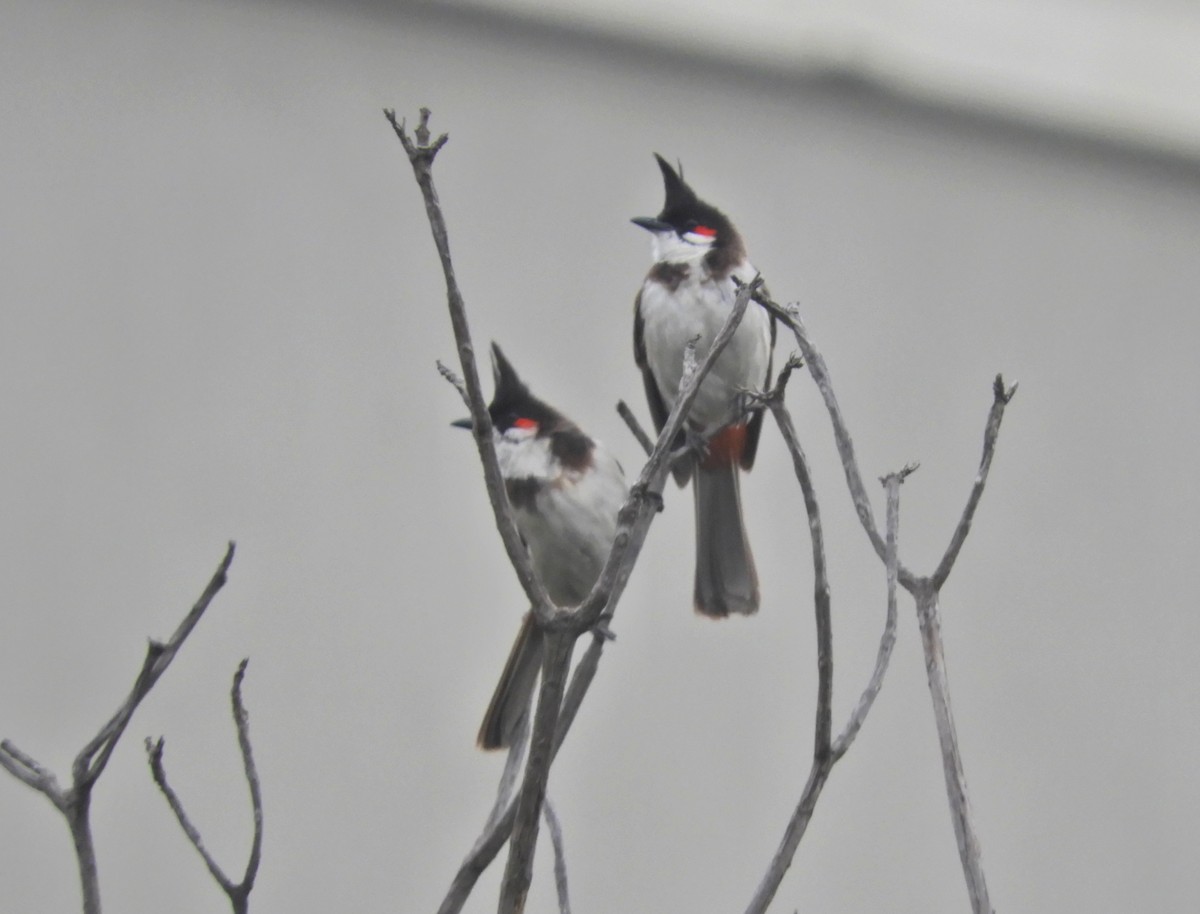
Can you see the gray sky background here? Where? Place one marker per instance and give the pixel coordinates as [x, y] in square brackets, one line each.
[221, 310]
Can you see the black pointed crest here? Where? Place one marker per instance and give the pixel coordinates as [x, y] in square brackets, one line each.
[512, 399]
[509, 386]
[678, 195]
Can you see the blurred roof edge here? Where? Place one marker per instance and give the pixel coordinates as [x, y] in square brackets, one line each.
[1121, 74]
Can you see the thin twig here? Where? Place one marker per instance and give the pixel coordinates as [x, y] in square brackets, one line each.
[822, 760]
[639, 433]
[821, 600]
[27, 770]
[581, 681]
[90, 762]
[242, 721]
[154, 752]
[887, 641]
[455, 382]
[1001, 397]
[499, 824]
[790, 317]
[510, 777]
[924, 589]
[560, 856]
[518, 870]
[969, 851]
[421, 155]
[239, 892]
[75, 802]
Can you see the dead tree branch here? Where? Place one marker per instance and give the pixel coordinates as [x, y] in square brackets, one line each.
[925, 590]
[825, 752]
[237, 892]
[499, 824]
[956, 782]
[421, 154]
[1001, 397]
[887, 641]
[75, 802]
[561, 625]
[518, 819]
[560, 856]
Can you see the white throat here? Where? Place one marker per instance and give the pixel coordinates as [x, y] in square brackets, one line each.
[521, 455]
[669, 247]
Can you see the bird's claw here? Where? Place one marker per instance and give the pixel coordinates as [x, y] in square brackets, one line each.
[646, 494]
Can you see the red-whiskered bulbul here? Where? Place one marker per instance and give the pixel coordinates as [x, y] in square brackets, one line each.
[565, 489]
[687, 295]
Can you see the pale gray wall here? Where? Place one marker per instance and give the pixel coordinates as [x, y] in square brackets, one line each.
[221, 311]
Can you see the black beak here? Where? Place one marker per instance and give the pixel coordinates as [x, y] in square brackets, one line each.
[463, 423]
[650, 224]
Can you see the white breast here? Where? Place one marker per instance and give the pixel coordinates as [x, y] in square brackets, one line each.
[571, 524]
[699, 307]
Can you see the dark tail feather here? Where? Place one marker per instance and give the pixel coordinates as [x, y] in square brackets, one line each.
[514, 691]
[726, 581]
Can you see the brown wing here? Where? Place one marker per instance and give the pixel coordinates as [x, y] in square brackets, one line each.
[754, 427]
[658, 409]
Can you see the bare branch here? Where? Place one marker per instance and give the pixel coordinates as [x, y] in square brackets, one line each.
[891, 483]
[822, 753]
[500, 821]
[242, 721]
[581, 681]
[790, 318]
[925, 590]
[821, 600]
[561, 626]
[154, 752]
[506, 790]
[639, 433]
[1000, 399]
[560, 857]
[238, 893]
[75, 802]
[633, 523]
[422, 149]
[518, 871]
[956, 782]
[455, 381]
[90, 762]
[796, 827]
[27, 770]
[421, 155]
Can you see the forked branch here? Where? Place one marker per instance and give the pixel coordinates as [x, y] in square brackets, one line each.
[74, 802]
[924, 589]
[237, 892]
[825, 753]
[561, 625]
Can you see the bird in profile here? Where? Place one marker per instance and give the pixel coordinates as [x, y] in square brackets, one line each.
[699, 262]
[566, 490]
